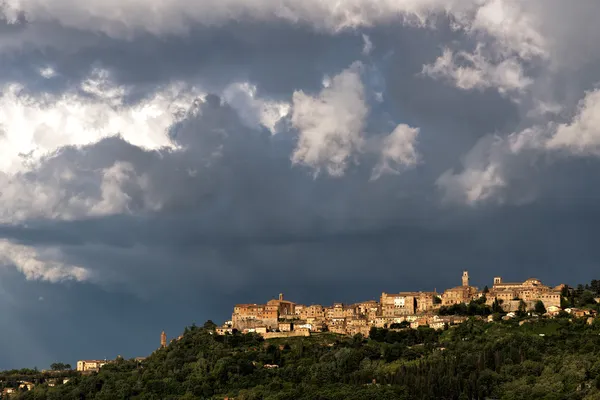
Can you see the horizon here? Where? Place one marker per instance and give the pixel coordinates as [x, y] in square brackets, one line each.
[172, 336]
[157, 170]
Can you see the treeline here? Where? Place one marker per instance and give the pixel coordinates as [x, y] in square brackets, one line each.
[475, 307]
[541, 359]
[519, 359]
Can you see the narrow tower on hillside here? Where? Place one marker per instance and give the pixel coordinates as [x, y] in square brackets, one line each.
[163, 339]
[280, 296]
[465, 278]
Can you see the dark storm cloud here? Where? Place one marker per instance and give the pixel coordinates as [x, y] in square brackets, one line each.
[227, 218]
[278, 57]
[247, 219]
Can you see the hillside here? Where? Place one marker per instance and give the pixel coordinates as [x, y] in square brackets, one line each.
[543, 359]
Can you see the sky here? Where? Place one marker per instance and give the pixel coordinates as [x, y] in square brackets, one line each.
[161, 161]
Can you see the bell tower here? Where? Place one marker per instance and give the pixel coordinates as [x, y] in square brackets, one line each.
[465, 278]
[163, 339]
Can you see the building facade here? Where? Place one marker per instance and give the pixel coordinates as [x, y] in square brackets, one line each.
[530, 291]
[393, 310]
[90, 365]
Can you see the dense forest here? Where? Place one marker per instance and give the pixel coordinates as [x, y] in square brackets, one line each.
[523, 358]
[539, 359]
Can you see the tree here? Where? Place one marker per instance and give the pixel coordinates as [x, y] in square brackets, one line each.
[209, 325]
[496, 308]
[595, 286]
[539, 307]
[59, 366]
[486, 289]
[586, 298]
[522, 308]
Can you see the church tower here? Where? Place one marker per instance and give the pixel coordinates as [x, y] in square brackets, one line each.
[163, 339]
[465, 278]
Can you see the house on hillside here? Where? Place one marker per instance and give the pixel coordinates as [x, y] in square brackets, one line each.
[26, 384]
[578, 312]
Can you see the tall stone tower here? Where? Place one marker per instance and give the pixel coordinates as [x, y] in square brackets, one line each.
[163, 339]
[465, 278]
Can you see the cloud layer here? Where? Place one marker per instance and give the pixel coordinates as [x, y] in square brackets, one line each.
[216, 151]
[91, 141]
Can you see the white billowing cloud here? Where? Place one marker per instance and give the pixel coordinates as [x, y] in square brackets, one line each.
[507, 32]
[472, 71]
[511, 30]
[398, 150]
[118, 181]
[544, 109]
[39, 125]
[578, 137]
[253, 110]
[512, 24]
[472, 185]
[40, 263]
[533, 138]
[482, 176]
[68, 194]
[331, 123]
[122, 18]
[582, 135]
[484, 168]
[367, 45]
[47, 72]
[515, 28]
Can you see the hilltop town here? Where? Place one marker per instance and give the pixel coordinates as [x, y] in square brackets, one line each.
[281, 317]
[386, 322]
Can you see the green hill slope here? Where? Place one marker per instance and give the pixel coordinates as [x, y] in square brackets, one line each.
[546, 359]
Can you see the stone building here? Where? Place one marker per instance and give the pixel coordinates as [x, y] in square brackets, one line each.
[163, 339]
[392, 305]
[284, 307]
[286, 326]
[369, 309]
[251, 315]
[313, 311]
[415, 308]
[460, 294]
[427, 301]
[530, 291]
[248, 316]
[90, 365]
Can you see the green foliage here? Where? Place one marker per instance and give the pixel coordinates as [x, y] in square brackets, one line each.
[59, 366]
[581, 296]
[403, 324]
[539, 307]
[475, 307]
[542, 359]
[209, 325]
